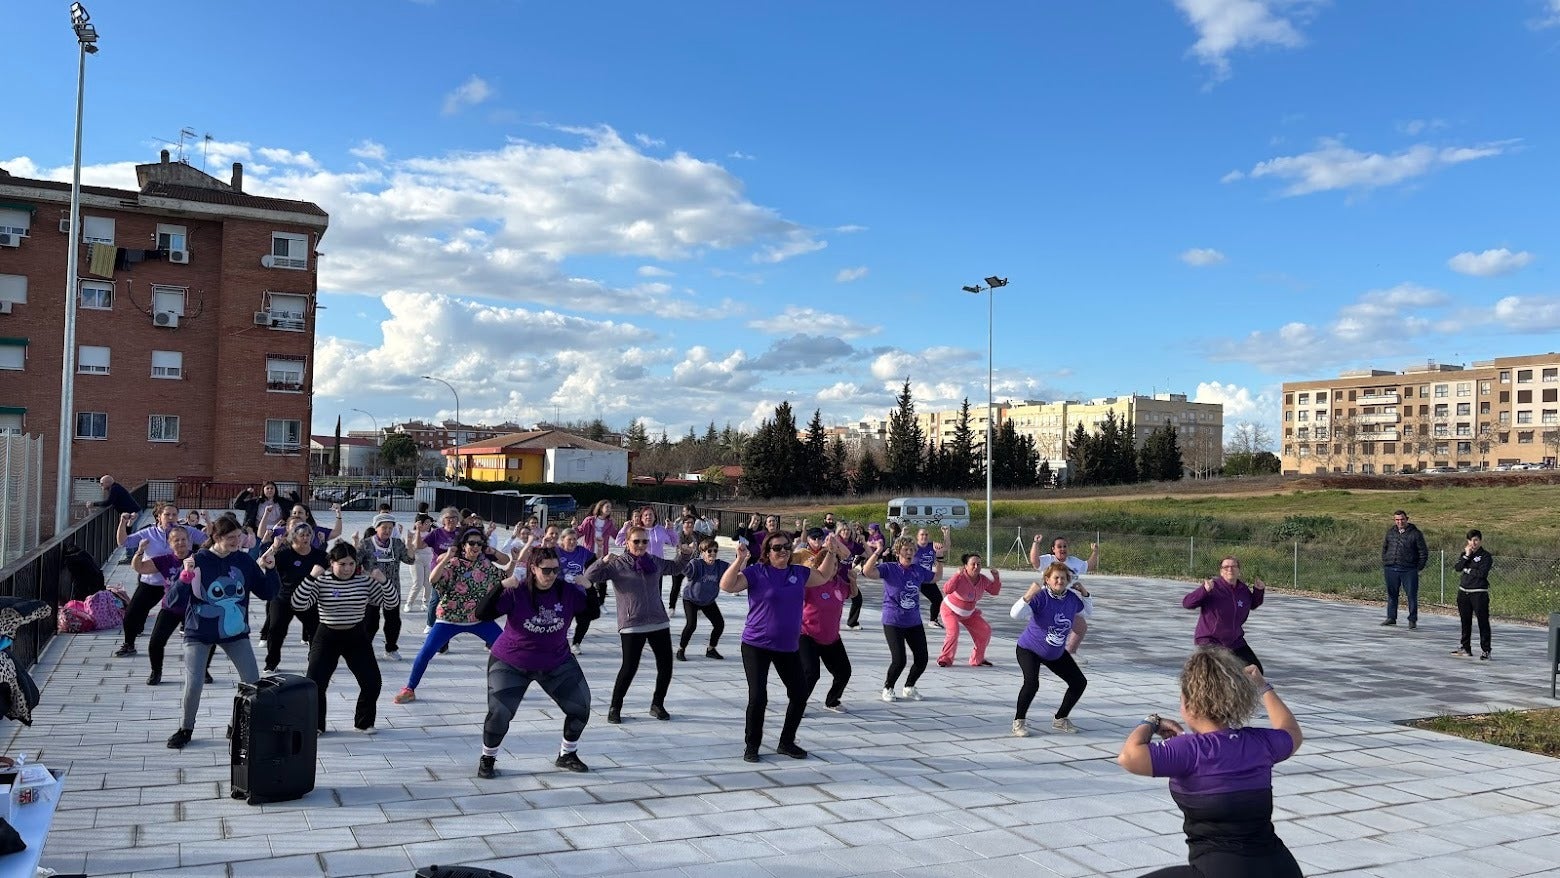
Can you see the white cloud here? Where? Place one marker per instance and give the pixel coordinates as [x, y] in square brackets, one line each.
[1378, 323]
[700, 371]
[1416, 127]
[740, 155]
[1490, 263]
[1549, 16]
[1226, 25]
[468, 94]
[288, 157]
[646, 140]
[1202, 257]
[796, 243]
[370, 150]
[800, 319]
[1528, 313]
[1240, 403]
[1335, 166]
[654, 271]
[846, 275]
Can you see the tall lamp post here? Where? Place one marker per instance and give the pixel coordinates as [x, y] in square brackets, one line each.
[992, 283]
[375, 420]
[458, 468]
[86, 40]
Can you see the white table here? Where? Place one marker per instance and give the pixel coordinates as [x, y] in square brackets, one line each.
[32, 822]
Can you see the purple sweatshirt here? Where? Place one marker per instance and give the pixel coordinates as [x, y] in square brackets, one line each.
[536, 634]
[1223, 612]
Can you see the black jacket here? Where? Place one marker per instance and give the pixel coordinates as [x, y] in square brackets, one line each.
[120, 499]
[1406, 549]
[1475, 570]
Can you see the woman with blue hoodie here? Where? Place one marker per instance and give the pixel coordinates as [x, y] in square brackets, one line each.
[213, 595]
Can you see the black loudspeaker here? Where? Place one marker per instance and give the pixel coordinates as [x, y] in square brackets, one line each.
[459, 872]
[275, 724]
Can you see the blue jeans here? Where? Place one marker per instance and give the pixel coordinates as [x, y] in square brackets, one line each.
[1404, 579]
[443, 633]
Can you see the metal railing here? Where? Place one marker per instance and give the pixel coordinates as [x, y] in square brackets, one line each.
[37, 575]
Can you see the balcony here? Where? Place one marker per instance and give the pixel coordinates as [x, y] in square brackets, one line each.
[1378, 436]
[1379, 399]
[1378, 418]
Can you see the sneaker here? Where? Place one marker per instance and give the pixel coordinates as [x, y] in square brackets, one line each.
[1064, 725]
[427, 629]
[1484, 656]
[836, 708]
[749, 755]
[124, 651]
[985, 664]
[889, 696]
[444, 649]
[614, 715]
[1461, 653]
[368, 731]
[909, 694]
[405, 696]
[154, 678]
[711, 653]
[570, 762]
[180, 738]
[393, 655]
[854, 626]
[790, 749]
[1412, 625]
[659, 712]
[1020, 728]
[1389, 622]
[263, 644]
[485, 767]
[682, 656]
[209, 681]
[943, 663]
[937, 623]
[671, 611]
[575, 648]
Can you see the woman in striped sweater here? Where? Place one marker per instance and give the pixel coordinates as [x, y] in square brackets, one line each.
[342, 595]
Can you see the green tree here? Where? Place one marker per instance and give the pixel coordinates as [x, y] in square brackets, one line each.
[836, 473]
[760, 465]
[813, 464]
[638, 437]
[868, 476]
[962, 464]
[1159, 460]
[596, 431]
[711, 438]
[398, 451]
[335, 458]
[904, 443]
[1043, 475]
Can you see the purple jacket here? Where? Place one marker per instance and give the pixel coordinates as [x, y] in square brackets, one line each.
[1223, 612]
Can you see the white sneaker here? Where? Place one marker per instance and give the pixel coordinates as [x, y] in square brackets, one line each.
[368, 731]
[1020, 729]
[575, 648]
[889, 696]
[427, 629]
[1064, 725]
[836, 708]
[909, 694]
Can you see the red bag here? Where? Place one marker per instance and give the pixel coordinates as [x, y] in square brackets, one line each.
[75, 618]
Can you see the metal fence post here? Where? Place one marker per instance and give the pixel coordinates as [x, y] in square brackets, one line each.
[1191, 554]
[1297, 565]
[1443, 577]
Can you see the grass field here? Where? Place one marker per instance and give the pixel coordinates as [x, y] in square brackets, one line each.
[1536, 731]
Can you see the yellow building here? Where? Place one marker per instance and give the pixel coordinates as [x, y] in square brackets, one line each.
[1496, 413]
[538, 456]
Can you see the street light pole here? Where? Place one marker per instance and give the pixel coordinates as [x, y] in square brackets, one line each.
[376, 424]
[458, 462]
[992, 283]
[86, 40]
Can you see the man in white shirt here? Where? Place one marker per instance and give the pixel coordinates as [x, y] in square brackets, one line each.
[1078, 566]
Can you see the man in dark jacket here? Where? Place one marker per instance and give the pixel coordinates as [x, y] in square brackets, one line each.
[1473, 595]
[115, 495]
[1403, 555]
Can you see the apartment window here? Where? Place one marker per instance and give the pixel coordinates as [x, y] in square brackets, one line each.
[13, 354]
[287, 311]
[1465, 388]
[167, 364]
[170, 299]
[1389, 448]
[1525, 417]
[284, 374]
[1464, 429]
[162, 428]
[1484, 407]
[91, 425]
[1305, 451]
[1442, 430]
[97, 230]
[1442, 410]
[1550, 418]
[15, 222]
[1304, 416]
[1351, 396]
[13, 288]
[171, 237]
[1388, 468]
[1321, 397]
[1367, 469]
[1321, 416]
[91, 360]
[1441, 390]
[1303, 433]
[1289, 399]
[289, 250]
[1551, 376]
[1484, 388]
[1504, 438]
[1289, 432]
[1505, 417]
[11, 419]
[96, 296]
[1524, 437]
[1289, 415]
[1505, 397]
[283, 437]
[1305, 399]
[1464, 408]
[1524, 397]
[1549, 396]
[1505, 377]
[1442, 449]
[1424, 391]
[1524, 376]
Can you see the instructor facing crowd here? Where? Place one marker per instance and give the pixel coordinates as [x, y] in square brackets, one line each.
[1403, 555]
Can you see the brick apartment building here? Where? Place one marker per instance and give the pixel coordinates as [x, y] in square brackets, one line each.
[194, 327]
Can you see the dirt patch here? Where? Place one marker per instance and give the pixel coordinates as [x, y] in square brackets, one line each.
[1535, 731]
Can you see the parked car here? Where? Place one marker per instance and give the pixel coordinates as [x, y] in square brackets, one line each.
[558, 505]
[507, 493]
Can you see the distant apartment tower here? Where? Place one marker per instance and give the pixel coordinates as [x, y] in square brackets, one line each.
[1497, 412]
[195, 309]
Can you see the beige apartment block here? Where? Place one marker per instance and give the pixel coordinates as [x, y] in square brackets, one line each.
[1496, 413]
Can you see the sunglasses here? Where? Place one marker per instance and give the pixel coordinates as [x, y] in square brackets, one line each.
[476, 545]
[780, 547]
[639, 542]
[551, 570]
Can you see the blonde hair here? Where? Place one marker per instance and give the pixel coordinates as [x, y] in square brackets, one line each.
[1214, 686]
[903, 543]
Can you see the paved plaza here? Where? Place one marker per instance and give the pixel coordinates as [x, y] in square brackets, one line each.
[935, 788]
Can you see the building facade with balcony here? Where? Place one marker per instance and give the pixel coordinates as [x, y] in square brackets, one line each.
[1493, 413]
[195, 305]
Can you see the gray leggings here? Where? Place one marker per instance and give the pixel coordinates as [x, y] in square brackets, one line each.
[565, 684]
[196, 654]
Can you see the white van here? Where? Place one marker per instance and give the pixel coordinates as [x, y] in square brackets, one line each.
[929, 511]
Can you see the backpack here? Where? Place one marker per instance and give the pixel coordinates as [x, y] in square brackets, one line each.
[75, 618]
[80, 575]
[107, 608]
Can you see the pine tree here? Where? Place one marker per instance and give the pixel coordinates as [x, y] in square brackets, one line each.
[1043, 475]
[787, 450]
[934, 472]
[711, 438]
[961, 461]
[759, 464]
[597, 431]
[1083, 458]
[638, 437]
[904, 443]
[869, 477]
[836, 478]
[814, 459]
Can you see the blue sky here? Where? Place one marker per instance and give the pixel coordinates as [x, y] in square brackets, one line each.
[689, 212]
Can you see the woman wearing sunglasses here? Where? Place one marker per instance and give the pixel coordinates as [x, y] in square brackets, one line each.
[636, 578]
[901, 616]
[534, 648]
[461, 581]
[772, 636]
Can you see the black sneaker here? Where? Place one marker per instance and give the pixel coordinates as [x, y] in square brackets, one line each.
[1484, 656]
[444, 649]
[1412, 625]
[154, 678]
[485, 769]
[711, 653]
[180, 738]
[749, 755]
[270, 669]
[570, 762]
[1389, 622]
[791, 750]
[682, 656]
[209, 679]
[125, 651]
[614, 715]
[659, 712]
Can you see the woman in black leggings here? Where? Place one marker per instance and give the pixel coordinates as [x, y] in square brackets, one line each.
[168, 568]
[642, 619]
[703, 574]
[901, 617]
[1050, 610]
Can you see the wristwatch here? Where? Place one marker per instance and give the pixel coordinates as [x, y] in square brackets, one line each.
[1152, 721]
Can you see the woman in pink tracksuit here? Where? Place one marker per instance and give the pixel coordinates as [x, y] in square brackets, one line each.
[963, 591]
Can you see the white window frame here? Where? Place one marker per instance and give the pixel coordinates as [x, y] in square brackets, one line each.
[13, 288]
[15, 222]
[93, 360]
[289, 311]
[278, 370]
[177, 237]
[157, 428]
[10, 362]
[96, 418]
[93, 229]
[167, 298]
[168, 364]
[294, 254]
[103, 291]
[277, 441]
[13, 423]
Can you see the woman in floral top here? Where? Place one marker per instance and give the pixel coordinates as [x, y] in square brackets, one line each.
[461, 579]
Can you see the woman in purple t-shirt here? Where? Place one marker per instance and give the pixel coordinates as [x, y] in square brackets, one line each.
[1223, 603]
[534, 648]
[1051, 609]
[1220, 770]
[901, 616]
[776, 589]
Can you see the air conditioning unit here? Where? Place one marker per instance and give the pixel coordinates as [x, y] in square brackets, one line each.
[262, 318]
[5, 307]
[166, 318]
[181, 257]
[10, 240]
[65, 226]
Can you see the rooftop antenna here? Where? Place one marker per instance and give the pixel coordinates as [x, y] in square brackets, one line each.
[184, 134]
[205, 150]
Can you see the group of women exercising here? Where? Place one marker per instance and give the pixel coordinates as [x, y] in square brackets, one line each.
[799, 585]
